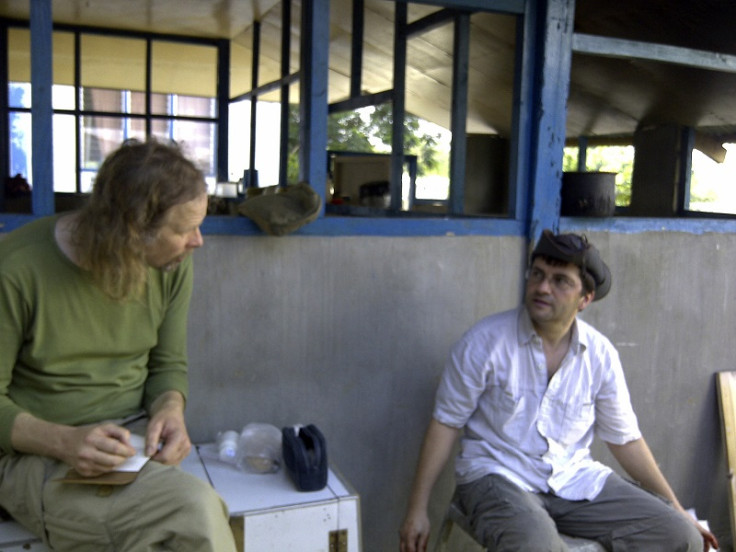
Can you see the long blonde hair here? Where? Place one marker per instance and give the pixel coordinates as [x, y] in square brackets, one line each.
[135, 187]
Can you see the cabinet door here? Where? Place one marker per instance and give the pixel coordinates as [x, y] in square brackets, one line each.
[303, 529]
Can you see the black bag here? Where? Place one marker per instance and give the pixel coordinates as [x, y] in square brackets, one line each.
[305, 457]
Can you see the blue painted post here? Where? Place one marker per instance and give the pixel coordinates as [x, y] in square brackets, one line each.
[460, 63]
[582, 153]
[313, 94]
[250, 178]
[223, 108]
[284, 95]
[686, 164]
[399, 105]
[553, 54]
[42, 162]
[4, 122]
[356, 50]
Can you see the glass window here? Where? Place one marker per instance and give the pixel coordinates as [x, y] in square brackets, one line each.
[19, 60]
[65, 154]
[100, 137]
[268, 124]
[20, 144]
[114, 104]
[100, 99]
[113, 63]
[19, 95]
[183, 69]
[713, 184]
[197, 140]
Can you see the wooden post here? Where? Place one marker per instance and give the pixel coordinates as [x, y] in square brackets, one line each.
[726, 382]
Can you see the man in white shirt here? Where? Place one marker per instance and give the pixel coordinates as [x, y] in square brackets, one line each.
[531, 387]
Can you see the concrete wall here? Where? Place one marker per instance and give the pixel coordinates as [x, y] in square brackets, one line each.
[351, 334]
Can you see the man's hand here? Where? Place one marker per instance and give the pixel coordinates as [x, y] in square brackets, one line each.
[94, 450]
[709, 539]
[167, 429]
[90, 450]
[436, 451]
[415, 532]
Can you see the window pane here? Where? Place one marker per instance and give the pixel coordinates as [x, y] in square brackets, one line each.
[161, 104]
[63, 54]
[712, 184]
[161, 129]
[184, 69]
[198, 141]
[19, 55]
[136, 102]
[62, 96]
[191, 106]
[65, 154]
[100, 137]
[20, 144]
[113, 63]
[268, 118]
[98, 99]
[19, 94]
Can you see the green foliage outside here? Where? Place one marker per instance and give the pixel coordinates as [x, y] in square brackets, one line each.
[368, 132]
[620, 159]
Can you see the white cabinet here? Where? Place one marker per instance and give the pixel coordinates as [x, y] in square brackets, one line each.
[269, 513]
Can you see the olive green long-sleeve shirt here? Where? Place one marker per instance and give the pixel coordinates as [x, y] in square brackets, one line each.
[71, 355]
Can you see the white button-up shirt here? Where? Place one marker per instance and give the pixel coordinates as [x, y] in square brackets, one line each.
[535, 432]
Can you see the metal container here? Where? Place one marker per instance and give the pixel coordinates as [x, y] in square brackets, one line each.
[588, 194]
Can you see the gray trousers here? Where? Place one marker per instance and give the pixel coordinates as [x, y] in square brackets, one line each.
[165, 508]
[623, 517]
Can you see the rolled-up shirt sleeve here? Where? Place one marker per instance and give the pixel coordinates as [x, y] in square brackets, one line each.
[461, 384]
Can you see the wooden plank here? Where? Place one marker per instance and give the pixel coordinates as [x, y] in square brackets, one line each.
[726, 383]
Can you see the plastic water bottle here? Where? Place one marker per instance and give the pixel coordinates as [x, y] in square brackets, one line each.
[227, 446]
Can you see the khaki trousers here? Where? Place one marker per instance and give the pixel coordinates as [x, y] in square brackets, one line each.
[165, 508]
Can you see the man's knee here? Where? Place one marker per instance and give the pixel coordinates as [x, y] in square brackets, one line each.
[539, 537]
[197, 495]
[190, 498]
[686, 537]
[674, 533]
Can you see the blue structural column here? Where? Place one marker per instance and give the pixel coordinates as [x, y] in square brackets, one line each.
[315, 37]
[42, 163]
[551, 22]
[460, 64]
[223, 108]
[4, 122]
[284, 108]
[399, 104]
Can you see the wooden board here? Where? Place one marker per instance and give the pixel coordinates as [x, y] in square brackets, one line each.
[726, 383]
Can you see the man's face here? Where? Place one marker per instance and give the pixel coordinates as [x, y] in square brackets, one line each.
[179, 235]
[554, 294]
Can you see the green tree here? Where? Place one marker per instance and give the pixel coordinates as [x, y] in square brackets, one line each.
[416, 142]
[352, 131]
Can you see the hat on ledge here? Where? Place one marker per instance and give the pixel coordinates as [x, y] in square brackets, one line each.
[279, 210]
